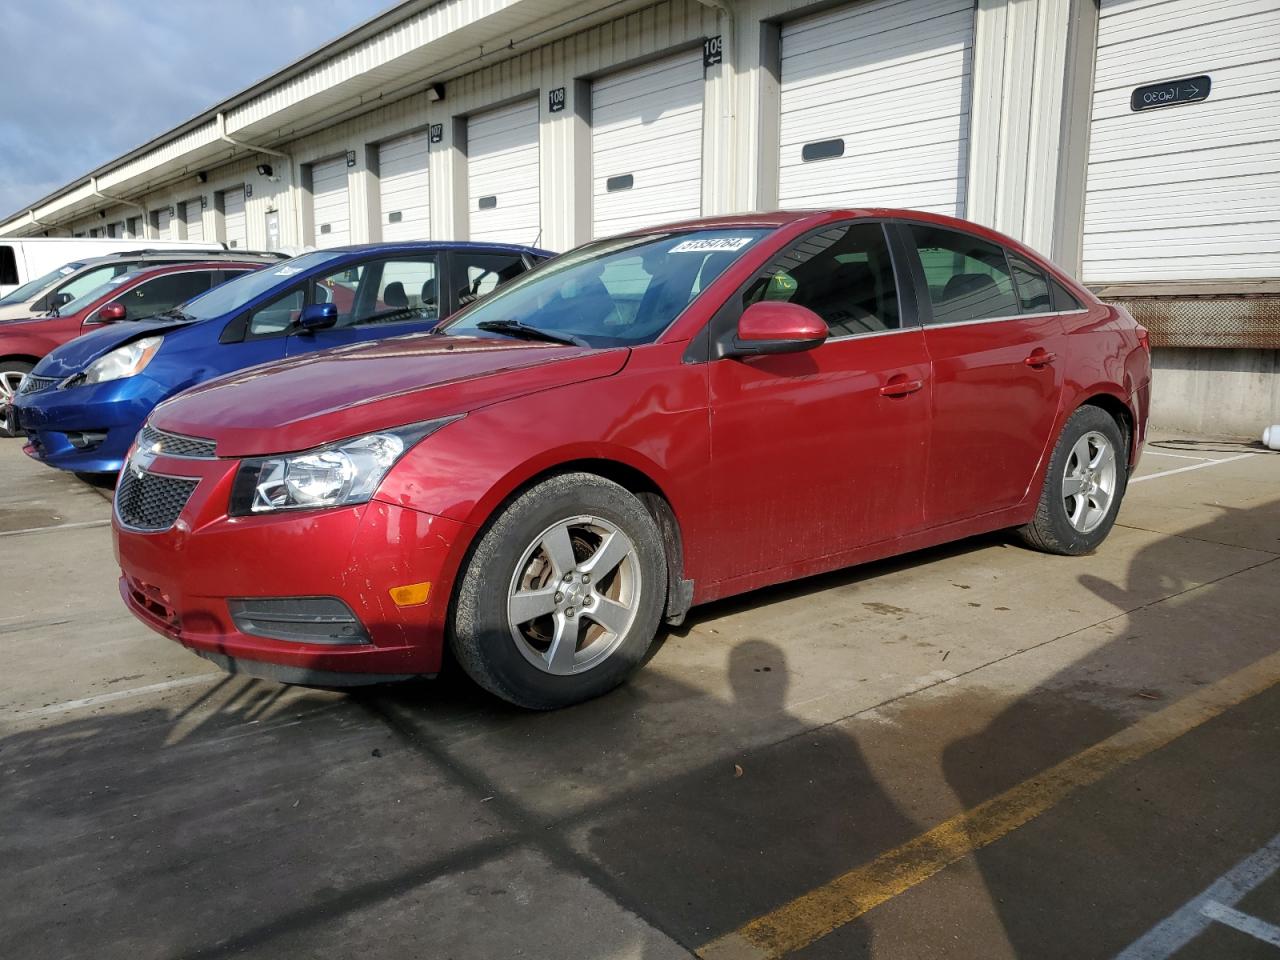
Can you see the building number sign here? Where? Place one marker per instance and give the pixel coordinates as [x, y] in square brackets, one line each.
[555, 99]
[1153, 95]
[712, 51]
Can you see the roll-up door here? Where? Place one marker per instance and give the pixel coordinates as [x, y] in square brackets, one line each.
[331, 203]
[502, 174]
[233, 220]
[404, 188]
[193, 217]
[163, 224]
[875, 106]
[646, 144]
[1188, 191]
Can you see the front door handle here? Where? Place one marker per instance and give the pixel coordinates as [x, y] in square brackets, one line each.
[1040, 358]
[900, 386]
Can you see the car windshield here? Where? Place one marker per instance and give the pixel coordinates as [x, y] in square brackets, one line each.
[33, 288]
[617, 292]
[89, 296]
[234, 294]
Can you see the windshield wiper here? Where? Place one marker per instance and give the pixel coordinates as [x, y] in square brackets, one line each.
[174, 314]
[515, 328]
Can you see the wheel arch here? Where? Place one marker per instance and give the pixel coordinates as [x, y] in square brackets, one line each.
[20, 358]
[1120, 411]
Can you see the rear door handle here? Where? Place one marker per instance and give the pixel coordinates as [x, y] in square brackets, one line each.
[900, 386]
[1040, 358]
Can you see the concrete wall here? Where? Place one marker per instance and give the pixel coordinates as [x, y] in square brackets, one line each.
[1234, 392]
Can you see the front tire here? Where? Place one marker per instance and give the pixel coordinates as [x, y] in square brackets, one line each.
[563, 594]
[1084, 483]
[11, 374]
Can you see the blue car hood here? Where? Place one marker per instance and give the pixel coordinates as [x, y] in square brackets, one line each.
[73, 357]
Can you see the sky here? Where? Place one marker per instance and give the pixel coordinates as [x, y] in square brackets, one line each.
[82, 82]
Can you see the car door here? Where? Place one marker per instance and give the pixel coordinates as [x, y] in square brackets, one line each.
[995, 370]
[823, 451]
[375, 299]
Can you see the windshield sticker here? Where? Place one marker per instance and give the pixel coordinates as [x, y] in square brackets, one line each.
[287, 271]
[711, 244]
[65, 270]
[120, 279]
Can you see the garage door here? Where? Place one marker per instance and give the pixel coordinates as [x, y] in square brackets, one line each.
[233, 220]
[330, 203]
[502, 174]
[646, 144]
[875, 106]
[164, 225]
[1189, 191]
[403, 187]
[193, 217]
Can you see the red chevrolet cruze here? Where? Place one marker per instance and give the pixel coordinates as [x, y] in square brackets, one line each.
[646, 423]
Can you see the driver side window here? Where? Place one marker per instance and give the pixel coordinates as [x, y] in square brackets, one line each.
[277, 316]
[843, 274]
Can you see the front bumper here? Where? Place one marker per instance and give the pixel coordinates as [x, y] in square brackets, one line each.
[86, 429]
[178, 581]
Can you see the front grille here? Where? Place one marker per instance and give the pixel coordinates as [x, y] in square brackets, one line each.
[148, 501]
[32, 384]
[175, 445]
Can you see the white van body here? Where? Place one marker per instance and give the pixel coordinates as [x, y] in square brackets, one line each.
[25, 258]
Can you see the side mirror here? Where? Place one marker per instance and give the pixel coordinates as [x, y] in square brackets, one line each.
[56, 301]
[773, 327]
[318, 316]
[111, 313]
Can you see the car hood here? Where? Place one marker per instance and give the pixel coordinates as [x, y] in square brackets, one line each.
[15, 311]
[73, 357]
[316, 398]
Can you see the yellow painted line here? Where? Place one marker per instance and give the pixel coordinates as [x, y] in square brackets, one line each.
[813, 915]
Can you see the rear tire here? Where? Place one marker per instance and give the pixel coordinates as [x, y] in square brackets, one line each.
[563, 594]
[11, 373]
[1084, 482]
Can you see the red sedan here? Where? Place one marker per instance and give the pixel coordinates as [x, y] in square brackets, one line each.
[647, 423]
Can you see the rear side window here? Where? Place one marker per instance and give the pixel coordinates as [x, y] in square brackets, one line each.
[968, 278]
[843, 274]
[8, 266]
[163, 293]
[476, 273]
[1034, 295]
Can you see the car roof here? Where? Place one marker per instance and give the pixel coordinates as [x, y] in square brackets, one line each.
[160, 253]
[423, 245]
[192, 266]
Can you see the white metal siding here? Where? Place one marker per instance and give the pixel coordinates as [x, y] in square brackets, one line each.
[1186, 192]
[163, 231]
[891, 78]
[193, 217]
[502, 171]
[646, 124]
[233, 219]
[404, 188]
[331, 203]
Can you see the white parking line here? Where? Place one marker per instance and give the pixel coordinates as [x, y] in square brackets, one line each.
[55, 526]
[1217, 903]
[69, 705]
[1176, 456]
[1194, 466]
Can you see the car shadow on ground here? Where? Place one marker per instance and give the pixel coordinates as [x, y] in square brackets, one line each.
[259, 817]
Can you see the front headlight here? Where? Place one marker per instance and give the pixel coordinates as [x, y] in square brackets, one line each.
[122, 362]
[337, 475]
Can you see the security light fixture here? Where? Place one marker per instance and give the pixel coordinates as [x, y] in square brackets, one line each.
[264, 170]
[202, 177]
[435, 92]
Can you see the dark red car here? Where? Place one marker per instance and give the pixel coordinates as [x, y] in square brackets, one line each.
[133, 295]
[646, 423]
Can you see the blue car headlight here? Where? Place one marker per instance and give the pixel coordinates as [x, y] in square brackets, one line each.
[337, 475]
[126, 361]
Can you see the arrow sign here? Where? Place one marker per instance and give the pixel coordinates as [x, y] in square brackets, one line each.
[1170, 93]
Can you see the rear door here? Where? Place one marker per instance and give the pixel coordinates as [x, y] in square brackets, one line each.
[995, 349]
[821, 452]
[375, 299]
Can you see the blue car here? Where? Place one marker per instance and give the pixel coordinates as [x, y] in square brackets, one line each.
[83, 404]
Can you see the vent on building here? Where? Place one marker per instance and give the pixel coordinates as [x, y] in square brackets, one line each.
[624, 182]
[487, 203]
[822, 150]
[395, 216]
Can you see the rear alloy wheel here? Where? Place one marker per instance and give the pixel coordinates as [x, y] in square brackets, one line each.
[1083, 485]
[563, 594]
[11, 374]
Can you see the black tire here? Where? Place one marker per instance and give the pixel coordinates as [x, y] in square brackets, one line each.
[482, 637]
[1051, 529]
[10, 367]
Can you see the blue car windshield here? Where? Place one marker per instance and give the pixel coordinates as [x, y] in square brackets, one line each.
[234, 294]
[617, 292]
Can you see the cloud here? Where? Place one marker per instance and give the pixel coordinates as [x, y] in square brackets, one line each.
[82, 81]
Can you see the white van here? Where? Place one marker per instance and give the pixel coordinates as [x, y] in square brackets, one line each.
[25, 258]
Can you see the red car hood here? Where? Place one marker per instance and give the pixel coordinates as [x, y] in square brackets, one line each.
[317, 398]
